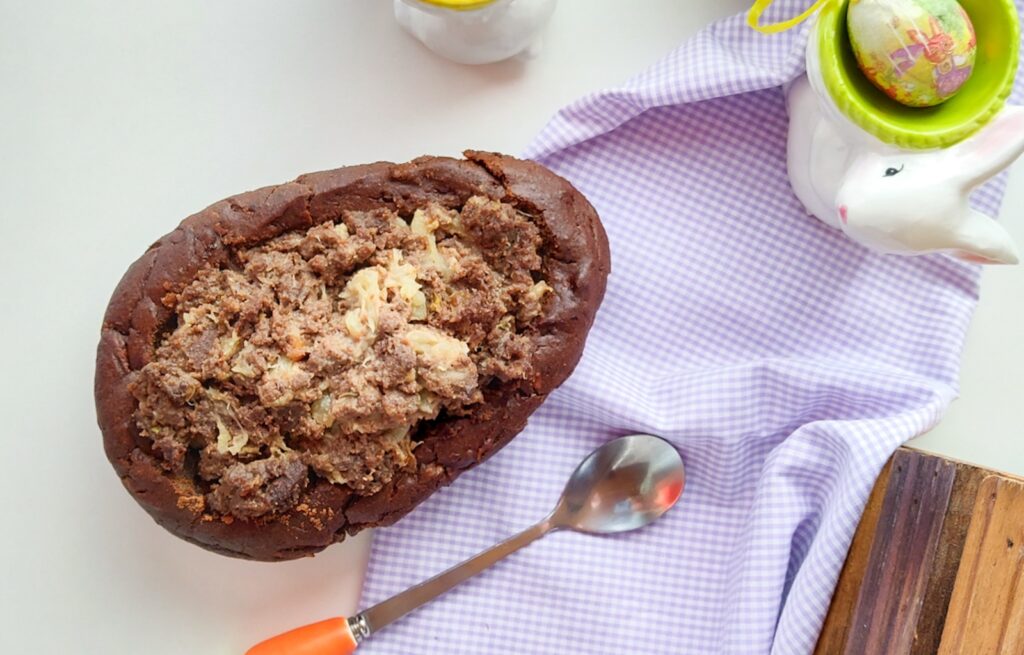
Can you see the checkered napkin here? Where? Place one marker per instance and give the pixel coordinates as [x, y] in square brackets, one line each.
[783, 360]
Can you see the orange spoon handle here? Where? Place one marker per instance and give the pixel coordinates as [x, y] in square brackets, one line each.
[330, 637]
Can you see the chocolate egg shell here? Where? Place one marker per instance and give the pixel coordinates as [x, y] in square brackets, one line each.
[919, 52]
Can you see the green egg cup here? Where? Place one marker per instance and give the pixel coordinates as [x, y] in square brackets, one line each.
[997, 26]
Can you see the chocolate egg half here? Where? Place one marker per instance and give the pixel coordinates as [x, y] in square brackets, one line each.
[919, 52]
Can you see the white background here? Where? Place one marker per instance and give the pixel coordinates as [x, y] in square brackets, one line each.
[117, 119]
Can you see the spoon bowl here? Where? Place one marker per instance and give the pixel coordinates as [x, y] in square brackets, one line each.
[623, 485]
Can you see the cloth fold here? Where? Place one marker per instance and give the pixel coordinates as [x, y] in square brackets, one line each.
[783, 360]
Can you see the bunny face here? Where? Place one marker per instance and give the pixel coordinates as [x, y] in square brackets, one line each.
[899, 201]
[895, 202]
[907, 202]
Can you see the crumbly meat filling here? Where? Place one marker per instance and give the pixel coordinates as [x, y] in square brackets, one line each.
[318, 352]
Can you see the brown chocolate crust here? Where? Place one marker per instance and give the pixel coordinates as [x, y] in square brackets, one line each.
[577, 265]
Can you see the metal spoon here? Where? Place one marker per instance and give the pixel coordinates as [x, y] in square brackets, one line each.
[623, 485]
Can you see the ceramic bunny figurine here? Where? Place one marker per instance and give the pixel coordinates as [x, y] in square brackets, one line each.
[894, 200]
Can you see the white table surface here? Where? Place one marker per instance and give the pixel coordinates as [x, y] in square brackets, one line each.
[119, 118]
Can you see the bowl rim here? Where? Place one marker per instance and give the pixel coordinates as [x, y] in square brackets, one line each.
[864, 115]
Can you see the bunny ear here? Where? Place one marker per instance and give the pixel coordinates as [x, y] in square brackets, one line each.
[992, 150]
[981, 240]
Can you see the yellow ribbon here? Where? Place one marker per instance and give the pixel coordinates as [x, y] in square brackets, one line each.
[754, 17]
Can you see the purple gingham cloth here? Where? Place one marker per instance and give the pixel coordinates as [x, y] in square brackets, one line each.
[784, 361]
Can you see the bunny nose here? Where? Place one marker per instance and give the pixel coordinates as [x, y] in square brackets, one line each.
[842, 213]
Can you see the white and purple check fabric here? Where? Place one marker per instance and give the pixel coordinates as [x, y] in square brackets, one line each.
[783, 360]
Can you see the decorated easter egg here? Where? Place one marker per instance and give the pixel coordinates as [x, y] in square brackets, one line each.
[919, 52]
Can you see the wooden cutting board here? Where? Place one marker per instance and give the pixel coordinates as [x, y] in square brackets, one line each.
[936, 565]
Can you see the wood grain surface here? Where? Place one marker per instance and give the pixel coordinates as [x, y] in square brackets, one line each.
[947, 557]
[902, 555]
[931, 568]
[986, 612]
[837, 623]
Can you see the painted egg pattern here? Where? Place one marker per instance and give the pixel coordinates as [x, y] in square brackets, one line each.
[919, 52]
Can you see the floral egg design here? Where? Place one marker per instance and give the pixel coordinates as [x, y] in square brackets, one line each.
[919, 52]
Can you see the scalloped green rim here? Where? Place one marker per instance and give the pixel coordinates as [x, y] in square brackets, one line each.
[460, 5]
[998, 28]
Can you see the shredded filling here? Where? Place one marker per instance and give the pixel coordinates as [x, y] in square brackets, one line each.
[319, 352]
